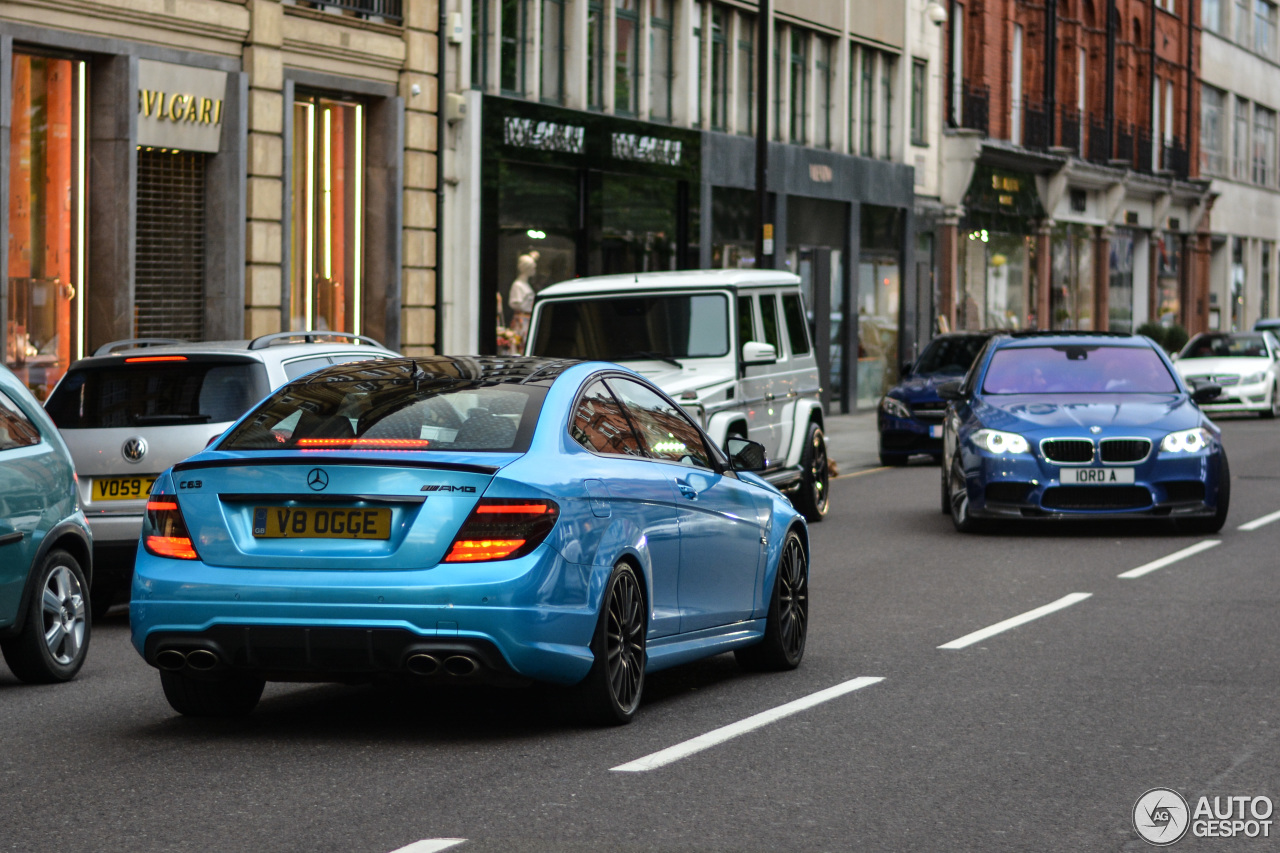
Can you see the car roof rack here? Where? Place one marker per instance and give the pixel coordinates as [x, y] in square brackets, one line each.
[1066, 333]
[136, 343]
[311, 337]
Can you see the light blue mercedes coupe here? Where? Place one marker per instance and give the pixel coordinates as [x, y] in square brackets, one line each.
[481, 519]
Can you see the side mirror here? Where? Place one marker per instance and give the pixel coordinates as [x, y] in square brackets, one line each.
[951, 390]
[1204, 392]
[745, 454]
[755, 352]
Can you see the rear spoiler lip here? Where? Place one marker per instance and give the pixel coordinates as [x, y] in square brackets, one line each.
[315, 461]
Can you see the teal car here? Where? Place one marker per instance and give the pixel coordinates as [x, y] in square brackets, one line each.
[45, 545]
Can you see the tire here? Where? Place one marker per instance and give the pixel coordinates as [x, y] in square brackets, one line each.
[226, 696]
[787, 625]
[959, 499]
[946, 490]
[1215, 522]
[55, 635]
[611, 692]
[893, 460]
[813, 495]
[1274, 410]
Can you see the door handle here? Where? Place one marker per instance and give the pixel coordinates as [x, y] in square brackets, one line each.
[10, 538]
[768, 398]
[687, 490]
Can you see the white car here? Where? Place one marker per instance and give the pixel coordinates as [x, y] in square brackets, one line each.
[730, 346]
[1243, 364]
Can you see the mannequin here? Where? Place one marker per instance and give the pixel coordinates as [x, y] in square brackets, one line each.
[520, 297]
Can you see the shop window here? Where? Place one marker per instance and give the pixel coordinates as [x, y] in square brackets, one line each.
[551, 27]
[45, 313]
[733, 224]
[1168, 306]
[660, 17]
[799, 90]
[626, 57]
[919, 95]
[326, 252]
[1264, 268]
[746, 83]
[515, 33]
[1212, 129]
[822, 82]
[1120, 282]
[996, 282]
[719, 69]
[1238, 277]
[879, 289]
[638, 221]
[1071, 277]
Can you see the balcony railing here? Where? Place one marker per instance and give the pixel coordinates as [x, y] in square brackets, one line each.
[1035, 127]
[1145, 161]
[976, 108]
[1071, 125]
[1124, 143]
[1176, 159]
[392, 11]
[1099, 140]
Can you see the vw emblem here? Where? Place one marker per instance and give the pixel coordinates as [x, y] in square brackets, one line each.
[1095, 430]
[317, 479]
[134, 449]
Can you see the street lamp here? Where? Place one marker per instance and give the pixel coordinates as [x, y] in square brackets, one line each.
[936, 13]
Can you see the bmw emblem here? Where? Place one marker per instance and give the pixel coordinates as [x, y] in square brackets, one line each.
[1095, 430]
[134, 449]
[317, 479]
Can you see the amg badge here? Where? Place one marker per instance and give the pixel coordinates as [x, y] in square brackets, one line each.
[448, 488]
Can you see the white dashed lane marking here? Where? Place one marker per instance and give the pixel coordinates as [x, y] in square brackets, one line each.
[1147, 568]
[718, 736]
[430, 845]
[1260, 522]
[1031, 615]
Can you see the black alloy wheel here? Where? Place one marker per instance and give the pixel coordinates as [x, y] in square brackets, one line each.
[959, 493]
[787, 626]
[612, 690]
[813, 496]
[1274, 410]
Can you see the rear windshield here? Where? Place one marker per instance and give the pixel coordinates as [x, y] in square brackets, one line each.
[392, 414]
[625, 328]
[1073, 369]
[156, 394]
[950, 355]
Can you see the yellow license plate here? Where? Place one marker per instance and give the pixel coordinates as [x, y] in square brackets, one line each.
[122, 488]
[296, 522]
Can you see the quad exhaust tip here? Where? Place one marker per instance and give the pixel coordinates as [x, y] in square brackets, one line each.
[422, 664]
[461, 665]
[170, 660]
[201, 659]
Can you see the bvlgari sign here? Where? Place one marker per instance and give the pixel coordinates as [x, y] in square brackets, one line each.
[179, 106]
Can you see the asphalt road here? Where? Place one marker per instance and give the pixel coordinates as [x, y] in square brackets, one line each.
[1041, 737]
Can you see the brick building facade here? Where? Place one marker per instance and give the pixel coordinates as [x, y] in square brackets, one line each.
[1071, 166]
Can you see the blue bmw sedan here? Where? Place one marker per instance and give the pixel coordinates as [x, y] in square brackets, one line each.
[1080, 425]
[505, 520]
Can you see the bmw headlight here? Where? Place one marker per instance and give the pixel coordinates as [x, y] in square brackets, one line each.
[1186, 441]
[894, 408]
[1000, 442]
[1254, 378]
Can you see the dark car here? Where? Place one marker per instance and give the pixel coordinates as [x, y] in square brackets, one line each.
[910, 414]
[45, 544]
[1083, 425]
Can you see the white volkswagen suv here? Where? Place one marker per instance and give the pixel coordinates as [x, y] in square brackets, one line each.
[731, 346]
[136, 407]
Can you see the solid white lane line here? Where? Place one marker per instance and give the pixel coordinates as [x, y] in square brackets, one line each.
[1147, 568]
[1031, 615]
[720, 735]
[1259, 522]
[430, 845]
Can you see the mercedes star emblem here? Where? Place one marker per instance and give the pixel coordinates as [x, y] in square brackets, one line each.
[134, 449]
[317, 479]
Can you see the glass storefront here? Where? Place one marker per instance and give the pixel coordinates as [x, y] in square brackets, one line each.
[996, 285]
[733, 225]
[1168, 277]
[326, 245]
[1072, 273]
[45, 323]
[637, 224]
[879, 290]
[812, 225]
[1120, 285]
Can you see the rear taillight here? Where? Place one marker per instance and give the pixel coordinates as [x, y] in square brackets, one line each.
[503, 529]
[167, 535]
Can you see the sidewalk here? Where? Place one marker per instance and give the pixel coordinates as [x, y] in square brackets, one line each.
[852, 441]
